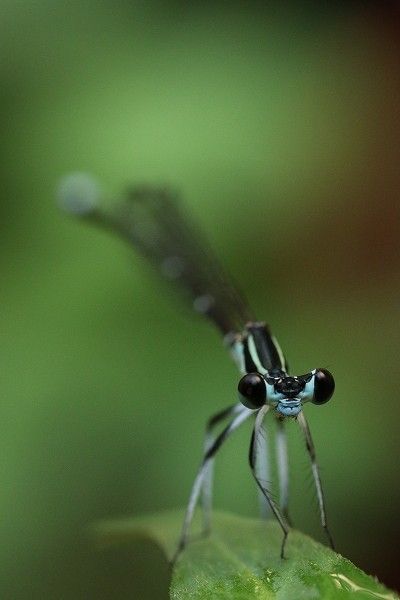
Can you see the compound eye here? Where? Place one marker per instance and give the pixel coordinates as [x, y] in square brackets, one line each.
[324, 386]
[252, 390]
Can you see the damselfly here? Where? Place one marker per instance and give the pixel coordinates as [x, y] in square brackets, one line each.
[153, 221]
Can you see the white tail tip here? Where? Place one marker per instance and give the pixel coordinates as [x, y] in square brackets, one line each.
[78, 193]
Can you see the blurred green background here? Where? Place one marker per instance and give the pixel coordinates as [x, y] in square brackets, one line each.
[280, 125]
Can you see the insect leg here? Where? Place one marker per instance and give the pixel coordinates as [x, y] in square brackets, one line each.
[207, 487]
[253, 454]
[198, 482]
[263, 473]
[283, 468]
[315, 471]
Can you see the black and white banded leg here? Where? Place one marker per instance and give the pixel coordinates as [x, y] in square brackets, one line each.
[198, 482]
[283, 469]
[315, 471]
[207, 487]
[253, 455]
[263, 472]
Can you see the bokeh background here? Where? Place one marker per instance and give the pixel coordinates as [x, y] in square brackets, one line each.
[280, 125]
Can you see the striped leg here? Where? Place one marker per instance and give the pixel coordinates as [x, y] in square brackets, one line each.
[253, 462]
[315, 471]
[198, 482]
[207, 487]
[263, 473]
[283, 469]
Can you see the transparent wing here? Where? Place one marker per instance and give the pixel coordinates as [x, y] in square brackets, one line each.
[154, 222]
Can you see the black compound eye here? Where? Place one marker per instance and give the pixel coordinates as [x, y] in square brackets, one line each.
[252, 390]
[324, 386]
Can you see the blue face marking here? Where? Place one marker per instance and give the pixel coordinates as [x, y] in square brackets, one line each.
[290, 406]
[308, 392]
[273, 397]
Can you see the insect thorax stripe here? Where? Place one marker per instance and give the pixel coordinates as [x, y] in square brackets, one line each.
[279, 352]
[255, 358]
[262, 351]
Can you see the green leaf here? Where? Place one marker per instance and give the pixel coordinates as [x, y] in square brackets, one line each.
[240, 561]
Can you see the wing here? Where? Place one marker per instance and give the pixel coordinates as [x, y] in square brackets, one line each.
[155, 223]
